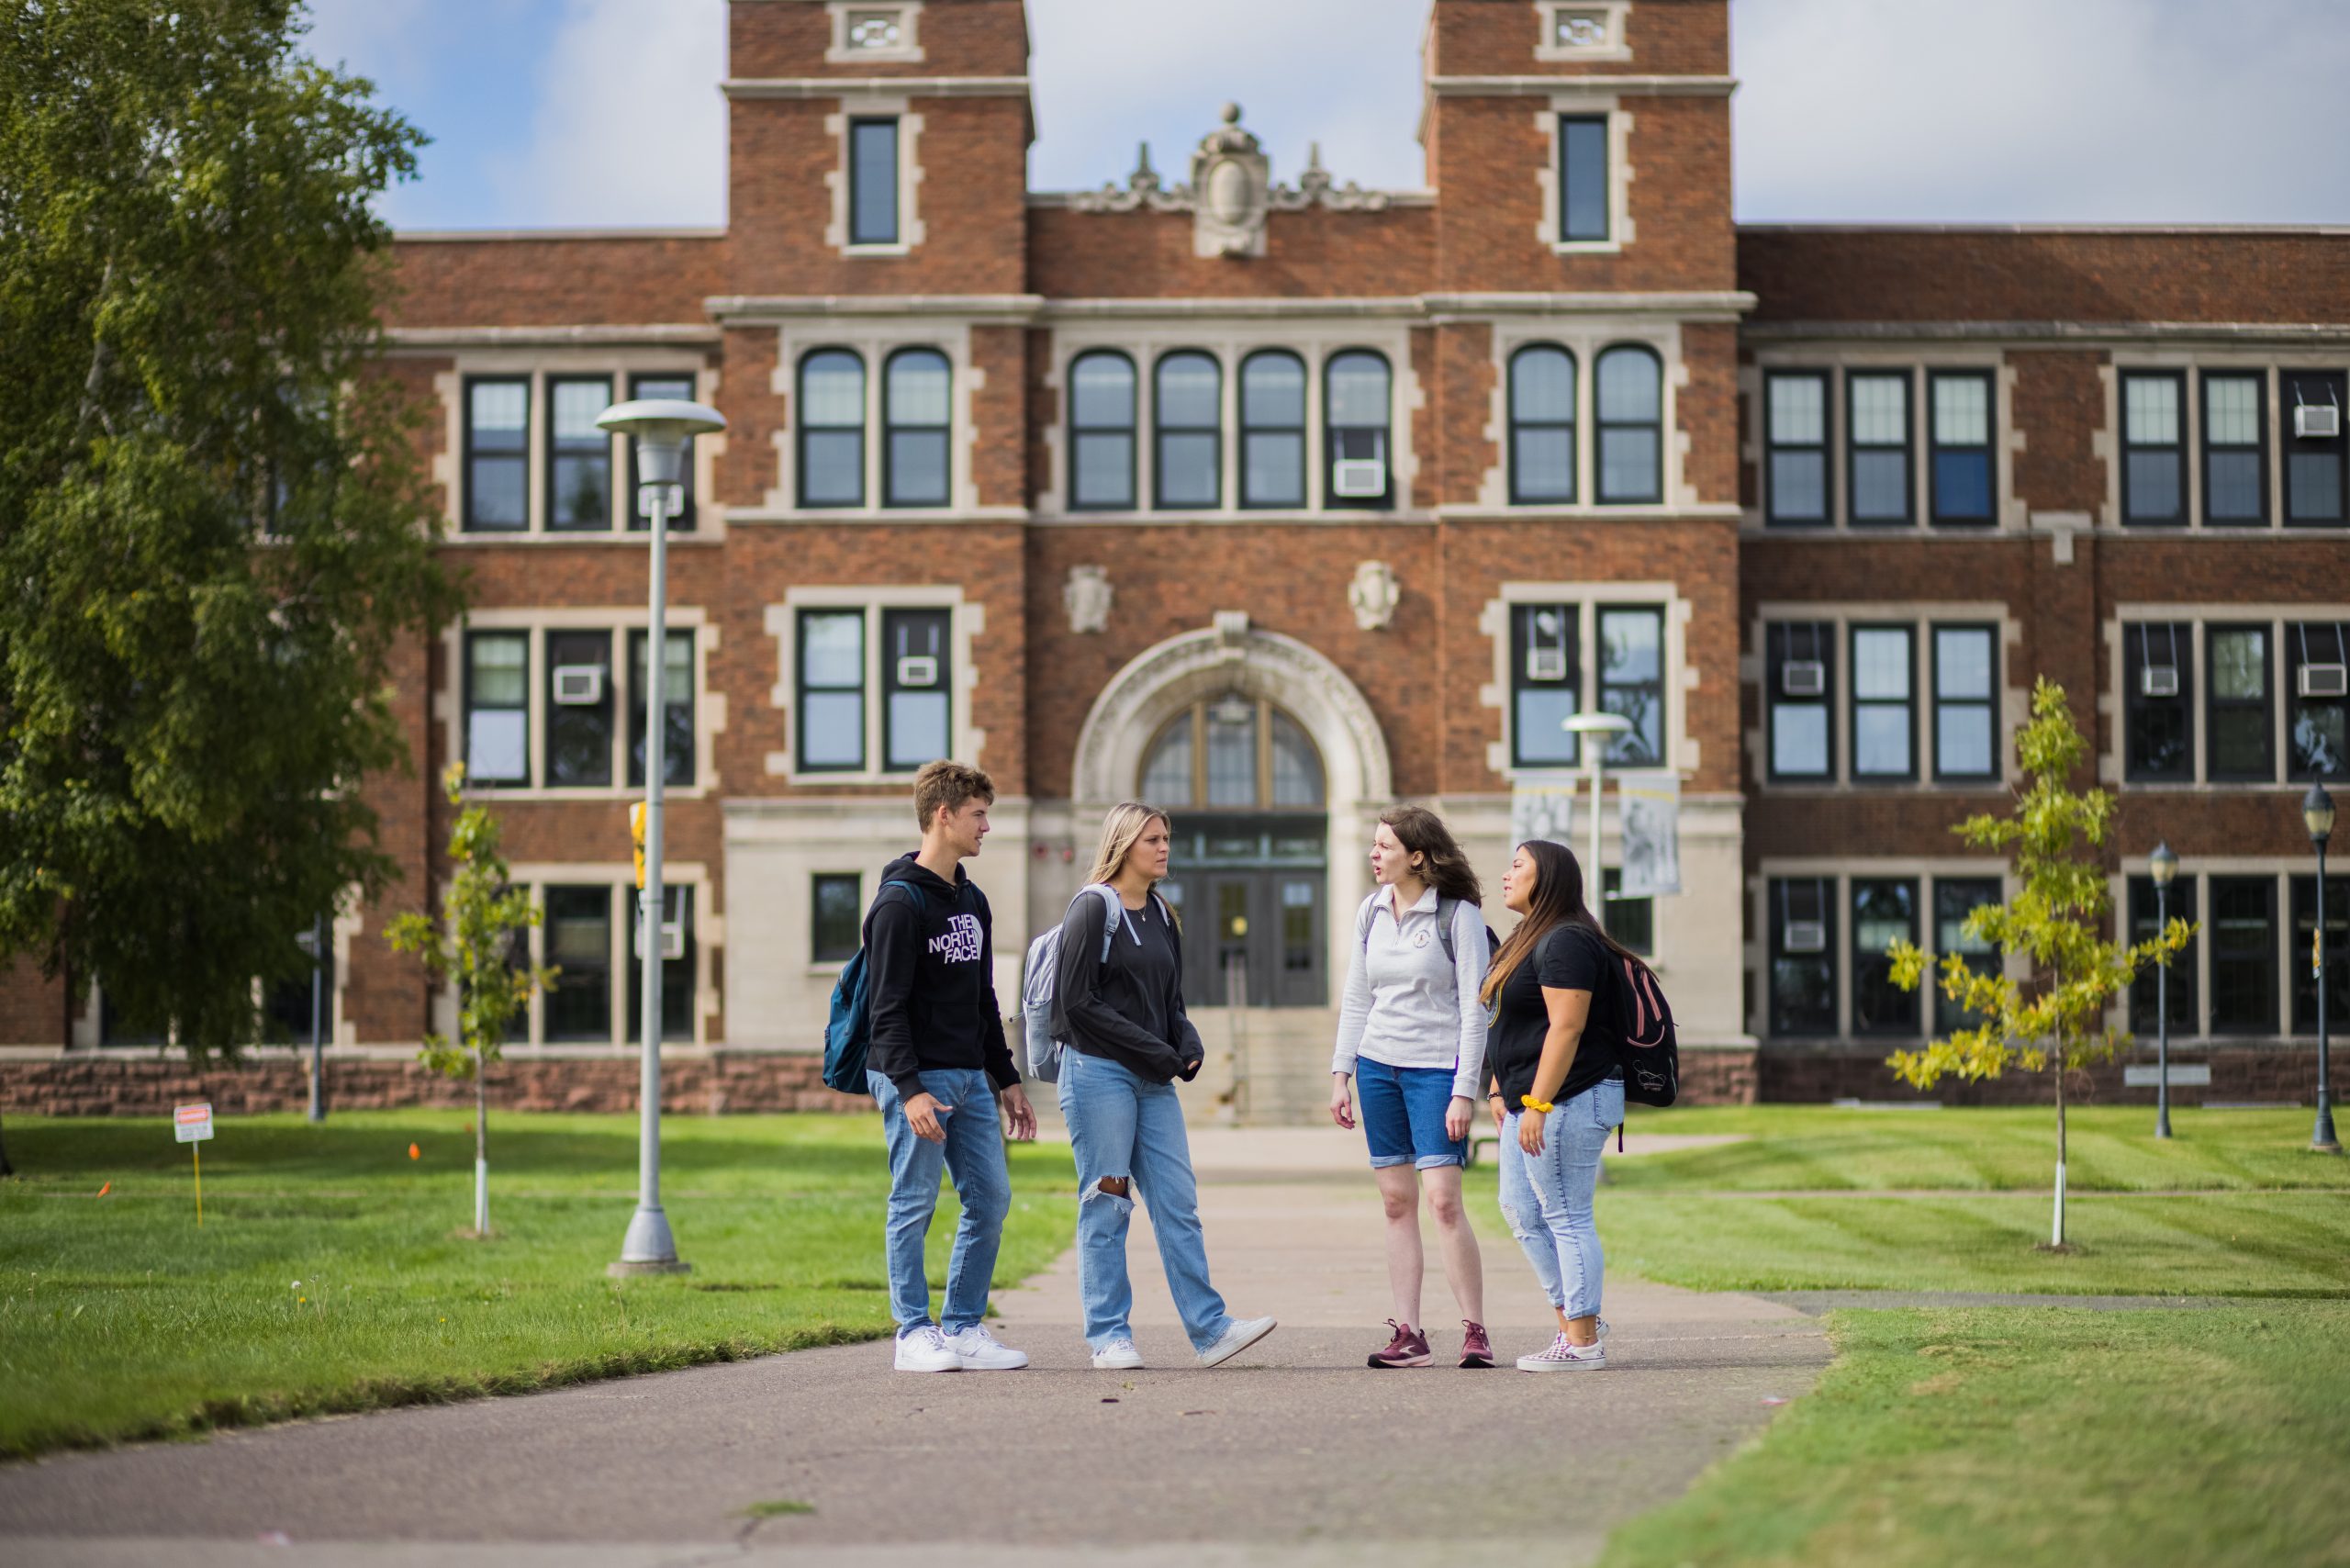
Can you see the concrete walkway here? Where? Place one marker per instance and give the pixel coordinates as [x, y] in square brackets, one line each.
[1293, 1456]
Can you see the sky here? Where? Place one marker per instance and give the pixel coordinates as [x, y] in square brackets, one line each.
[606, 113]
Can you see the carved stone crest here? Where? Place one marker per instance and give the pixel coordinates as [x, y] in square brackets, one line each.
[1230, 179]
[1087, 596]
[1374, 594]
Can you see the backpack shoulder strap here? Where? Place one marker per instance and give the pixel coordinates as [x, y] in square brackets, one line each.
[1445, 908]
[1109, 915]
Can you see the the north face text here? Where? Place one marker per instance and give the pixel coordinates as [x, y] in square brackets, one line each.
[959, 943]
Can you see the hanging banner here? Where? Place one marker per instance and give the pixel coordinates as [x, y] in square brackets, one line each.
[1651, 807]
[1542, 806]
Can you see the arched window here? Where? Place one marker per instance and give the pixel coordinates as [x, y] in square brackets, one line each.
[1234, 754]
[1101, 432]
[1355, 404]
[917, 468]
[1187, 408]
[1272, 429]
[1631, 425]
[1541, 425]
[832, 428]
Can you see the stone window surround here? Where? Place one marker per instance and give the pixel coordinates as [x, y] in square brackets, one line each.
[2283, 869]
[1549, 51]
[873, 340]
[1681, 748]
[965, 621]
[856, 105]
[2009, 515]
[908, 50]
[621, 365]
[1231, 342]
[1593, 99]
[2011, 710]
[348, 923]
[2112, 757]
[1841, 873]
[2105, 444]
[709, 703]
[709, 931]
[1587, 338]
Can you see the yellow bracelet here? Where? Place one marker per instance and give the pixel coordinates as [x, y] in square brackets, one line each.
[1531, 1103]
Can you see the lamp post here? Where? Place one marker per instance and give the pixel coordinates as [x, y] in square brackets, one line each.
[2163, 865]
[1592, 731]
[2317, 815]
[660, 427]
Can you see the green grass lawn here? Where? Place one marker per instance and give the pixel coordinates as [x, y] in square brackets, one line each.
[331, 1273]
[2041, 1437]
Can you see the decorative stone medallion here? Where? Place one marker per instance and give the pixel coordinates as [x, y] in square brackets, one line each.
[1373, 595]
[1087, 596]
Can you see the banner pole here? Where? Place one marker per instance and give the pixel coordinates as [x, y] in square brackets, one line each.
[197, 1150]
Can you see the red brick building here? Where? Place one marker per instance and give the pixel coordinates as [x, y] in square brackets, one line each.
[1276, 501]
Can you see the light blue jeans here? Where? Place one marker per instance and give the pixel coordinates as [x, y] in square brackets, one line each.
[1546, 1197]
[1123, 1125]
[973, 1155]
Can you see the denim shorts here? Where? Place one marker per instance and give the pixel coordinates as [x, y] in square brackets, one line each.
[1402, 1114]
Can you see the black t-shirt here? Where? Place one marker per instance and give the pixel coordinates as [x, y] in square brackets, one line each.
[1130, 1009]
[1570, 958]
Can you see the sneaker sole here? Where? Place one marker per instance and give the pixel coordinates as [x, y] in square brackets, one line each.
[902, 1366]
[971, 1366]
[1483, 1363]
[1560, 1366]
[1378, 1365]
[1253, 1338]
[1101, 1366]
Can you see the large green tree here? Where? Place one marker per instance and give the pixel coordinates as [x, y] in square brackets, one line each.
[214, 529]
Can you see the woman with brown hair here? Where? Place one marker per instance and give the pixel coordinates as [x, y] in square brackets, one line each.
[1554, 1056]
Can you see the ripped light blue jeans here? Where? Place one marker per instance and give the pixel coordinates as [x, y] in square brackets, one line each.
[1546, 1197]
[1124, 1126]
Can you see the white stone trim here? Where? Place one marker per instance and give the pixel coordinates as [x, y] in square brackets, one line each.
[1587, 339]
[873, 340]
[1543, 86]
[884, 104]
[709, 929]
[1841, 873]
[1681, 750]
[853, 86]
[1549, 51]
[907, 50]
[1722, 305]
[2112, 755]
[967, 620]
[1548, 225]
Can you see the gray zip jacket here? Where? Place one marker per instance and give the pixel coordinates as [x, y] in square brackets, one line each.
[1404, 1004]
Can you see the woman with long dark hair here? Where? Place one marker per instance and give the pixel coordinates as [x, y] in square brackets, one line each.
[1412, 1039]
[1555, 1072]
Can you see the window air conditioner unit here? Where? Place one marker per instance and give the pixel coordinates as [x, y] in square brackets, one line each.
[1363, 477]
[1806, 936]
[918, 669]
[578, 686]
[2325, 680]
[1803, 677]
[2317, 421]
[2158, 680]
[673, 939]
[1546, 664]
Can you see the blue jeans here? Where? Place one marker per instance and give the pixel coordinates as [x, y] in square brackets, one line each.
[1546, 1197]
[973, 1154]
[1125, 1127]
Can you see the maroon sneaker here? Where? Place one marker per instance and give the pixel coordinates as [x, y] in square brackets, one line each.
[1408, 1348]
[1476, 1351]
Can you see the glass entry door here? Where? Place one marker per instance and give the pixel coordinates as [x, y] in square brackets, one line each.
[1252, 938]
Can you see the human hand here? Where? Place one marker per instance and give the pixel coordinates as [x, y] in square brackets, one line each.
[926, 1116]
[1020, 1118]
[1342, 1102]
[1530, 1131]
[1456, 1117]
[1501, 1112]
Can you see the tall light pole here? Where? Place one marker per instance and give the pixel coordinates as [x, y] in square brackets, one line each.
[2163, 865]
[1592, 731]
[660, 427]
[2317, 815]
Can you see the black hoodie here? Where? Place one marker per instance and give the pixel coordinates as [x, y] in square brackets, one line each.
[933, 979]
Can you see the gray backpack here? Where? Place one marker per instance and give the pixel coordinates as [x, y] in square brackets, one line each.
[1041, 980]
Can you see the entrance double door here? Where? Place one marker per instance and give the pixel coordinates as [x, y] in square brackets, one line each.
[1255, 929]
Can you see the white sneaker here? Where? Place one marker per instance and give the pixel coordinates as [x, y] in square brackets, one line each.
[1564, 1356]
[925, 1349]
[979, 1351]
[1237, 1339]
[1119, 1355]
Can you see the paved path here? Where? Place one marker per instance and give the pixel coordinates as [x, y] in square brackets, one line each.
[1294, 1456]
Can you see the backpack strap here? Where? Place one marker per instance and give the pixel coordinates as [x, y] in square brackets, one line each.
[1445, 908]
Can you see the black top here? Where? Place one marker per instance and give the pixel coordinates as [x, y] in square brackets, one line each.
[933, 979]
[1571, 957]
[1130, 1009]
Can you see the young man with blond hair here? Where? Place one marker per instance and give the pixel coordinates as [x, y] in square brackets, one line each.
[941, 1071]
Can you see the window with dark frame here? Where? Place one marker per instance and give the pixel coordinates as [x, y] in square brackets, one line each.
[1187, 418]
[2154, 448]
[1803, 955]
[2145, 926]
[873, 182]
[498, 708]
[1632, 922]
[835, 917]
[497, 454]
[579, 710]
[917, 683]
[578, 1008]
[1960, 451]
[1357, 396]
[1631, 426]
[1795, 448]
[1632, 681]
[2236, 448]
[1955, 898]
[677, 1003]
[2311, 402]
[682, 389]
[1545, 683]
[1800, 660]
[1878, 434]
[916, 467]
[1541, 425]
[2158, 685]
[2337, 941]
[830, 676]
[832, 428]
[1272, 429]
[2239, 711]
[2244, 955]
[1101, 432]
[1885, 706]
[2317, 698]
[1885, 909]
[1583, 179]
[1967, 684]
[579, 455]
[677, 709]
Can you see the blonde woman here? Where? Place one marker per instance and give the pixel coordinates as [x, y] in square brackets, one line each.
[1128, 1041]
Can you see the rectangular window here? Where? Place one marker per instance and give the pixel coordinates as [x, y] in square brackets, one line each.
[498, 454]
[1803, 955]
[2301, 955]
[498, 708]
[831, 690]
[1877, 417]
[2145, 924]
[678, 388]
[579, 710]
[676, 973]
[1631, 682]
[579, 943]
[1545, 685]
[1955, 898]
[2154, 448]
[1582, 178]
[2235, 455]
[2244, 955]
[1966, 725]
[2309, 412]
[2157, 681]
[835, 917]
[1885, 910]
[1795, 445]
[579, 456]
[873, 182]
[1632, 922]
[2317, 698]
[1960, 450]
[1800, 660]
[1885, 711]
[2239, 715]
[677, 709]
[915, 687]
